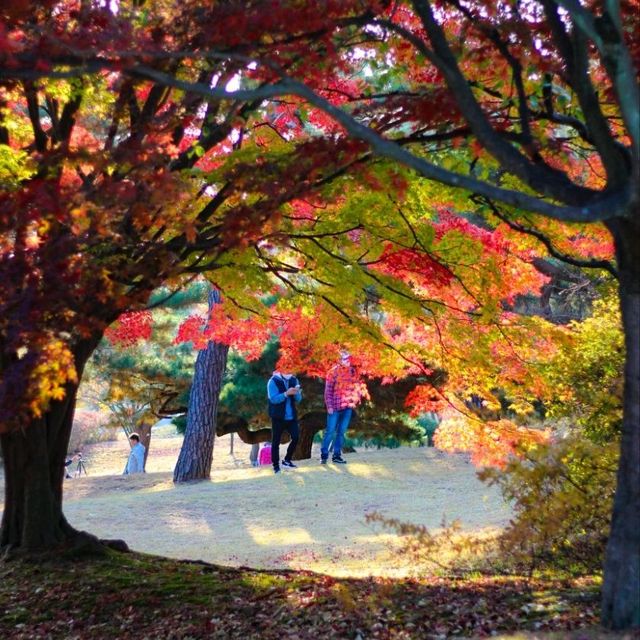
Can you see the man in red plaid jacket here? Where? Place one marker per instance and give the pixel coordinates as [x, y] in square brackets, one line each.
[343, 391]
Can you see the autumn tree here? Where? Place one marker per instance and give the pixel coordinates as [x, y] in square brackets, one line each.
[114, 186]
[560, 140]
[106, 196]
[531, 108]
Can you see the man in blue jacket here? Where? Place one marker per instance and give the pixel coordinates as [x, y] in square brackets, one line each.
[135, 463]
[283, 392]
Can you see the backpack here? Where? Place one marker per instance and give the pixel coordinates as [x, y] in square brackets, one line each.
[264, 457]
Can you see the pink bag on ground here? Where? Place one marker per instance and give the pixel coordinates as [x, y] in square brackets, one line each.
[264, 457]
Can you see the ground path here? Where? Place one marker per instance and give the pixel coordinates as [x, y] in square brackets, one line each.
[312, 517]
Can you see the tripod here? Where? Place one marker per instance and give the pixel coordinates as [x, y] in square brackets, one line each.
[80, 468]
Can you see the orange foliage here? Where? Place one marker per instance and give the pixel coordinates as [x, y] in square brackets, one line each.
[491, 444]
[425, 399]
[54, 369]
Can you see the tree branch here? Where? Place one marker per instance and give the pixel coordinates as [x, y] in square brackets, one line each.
[606, 33]
[546, 241]
[601, 207]
[516, 69]
[574, 50]
[541, 177]
[33, 109]
[595, 206]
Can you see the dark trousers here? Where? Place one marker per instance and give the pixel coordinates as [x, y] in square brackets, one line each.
[277, 427]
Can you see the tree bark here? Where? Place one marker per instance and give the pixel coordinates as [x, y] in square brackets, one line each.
[144, 431]
[310, 424]
[196, 454]
[303, 449]
[34, 473]
[621, 588]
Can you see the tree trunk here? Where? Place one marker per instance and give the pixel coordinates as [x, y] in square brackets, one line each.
[144, 431]
[196, 454]
[621, 588]
[307, 433]
[303, 449]
[310, 423]
[34, 460]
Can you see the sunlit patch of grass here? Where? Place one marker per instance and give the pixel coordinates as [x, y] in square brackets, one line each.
[191, 523]
[279, 537]
[213, 520]
[264, 581]
[165, 485]
[369, 471]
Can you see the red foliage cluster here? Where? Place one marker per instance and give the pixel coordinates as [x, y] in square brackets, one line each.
[302, 347]
[248, 335]
[449, 221]
[400, 262]
[192, 330]
[130, 327]
[425, 399]
[435, 106]
[236, 23]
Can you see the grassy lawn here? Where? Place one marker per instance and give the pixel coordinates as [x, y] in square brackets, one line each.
[309, 518]
[364, 586]
[142, 596]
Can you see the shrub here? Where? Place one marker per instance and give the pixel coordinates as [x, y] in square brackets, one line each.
[448, 550]
[491, 443]
[587, 374]
[562, 496]
[429, 422]
[90, 427]
[180, 423]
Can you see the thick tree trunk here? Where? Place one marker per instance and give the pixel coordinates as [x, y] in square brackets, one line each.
[144, 431]
[621, 588]
[34, 471]
[310, 424]
[303, 449]
[32, 518]
[196, 454]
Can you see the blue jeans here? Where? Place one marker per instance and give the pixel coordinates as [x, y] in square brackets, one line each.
[337, 423]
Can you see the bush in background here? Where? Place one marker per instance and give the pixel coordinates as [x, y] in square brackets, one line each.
[562, 495]
[180, 423]
[588, 374]
[90, 427]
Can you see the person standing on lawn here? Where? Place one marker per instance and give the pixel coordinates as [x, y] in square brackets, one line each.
[135, 463]
[343, 391]
[283, 391]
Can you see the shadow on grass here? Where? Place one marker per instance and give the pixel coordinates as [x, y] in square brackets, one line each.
[135, 596]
